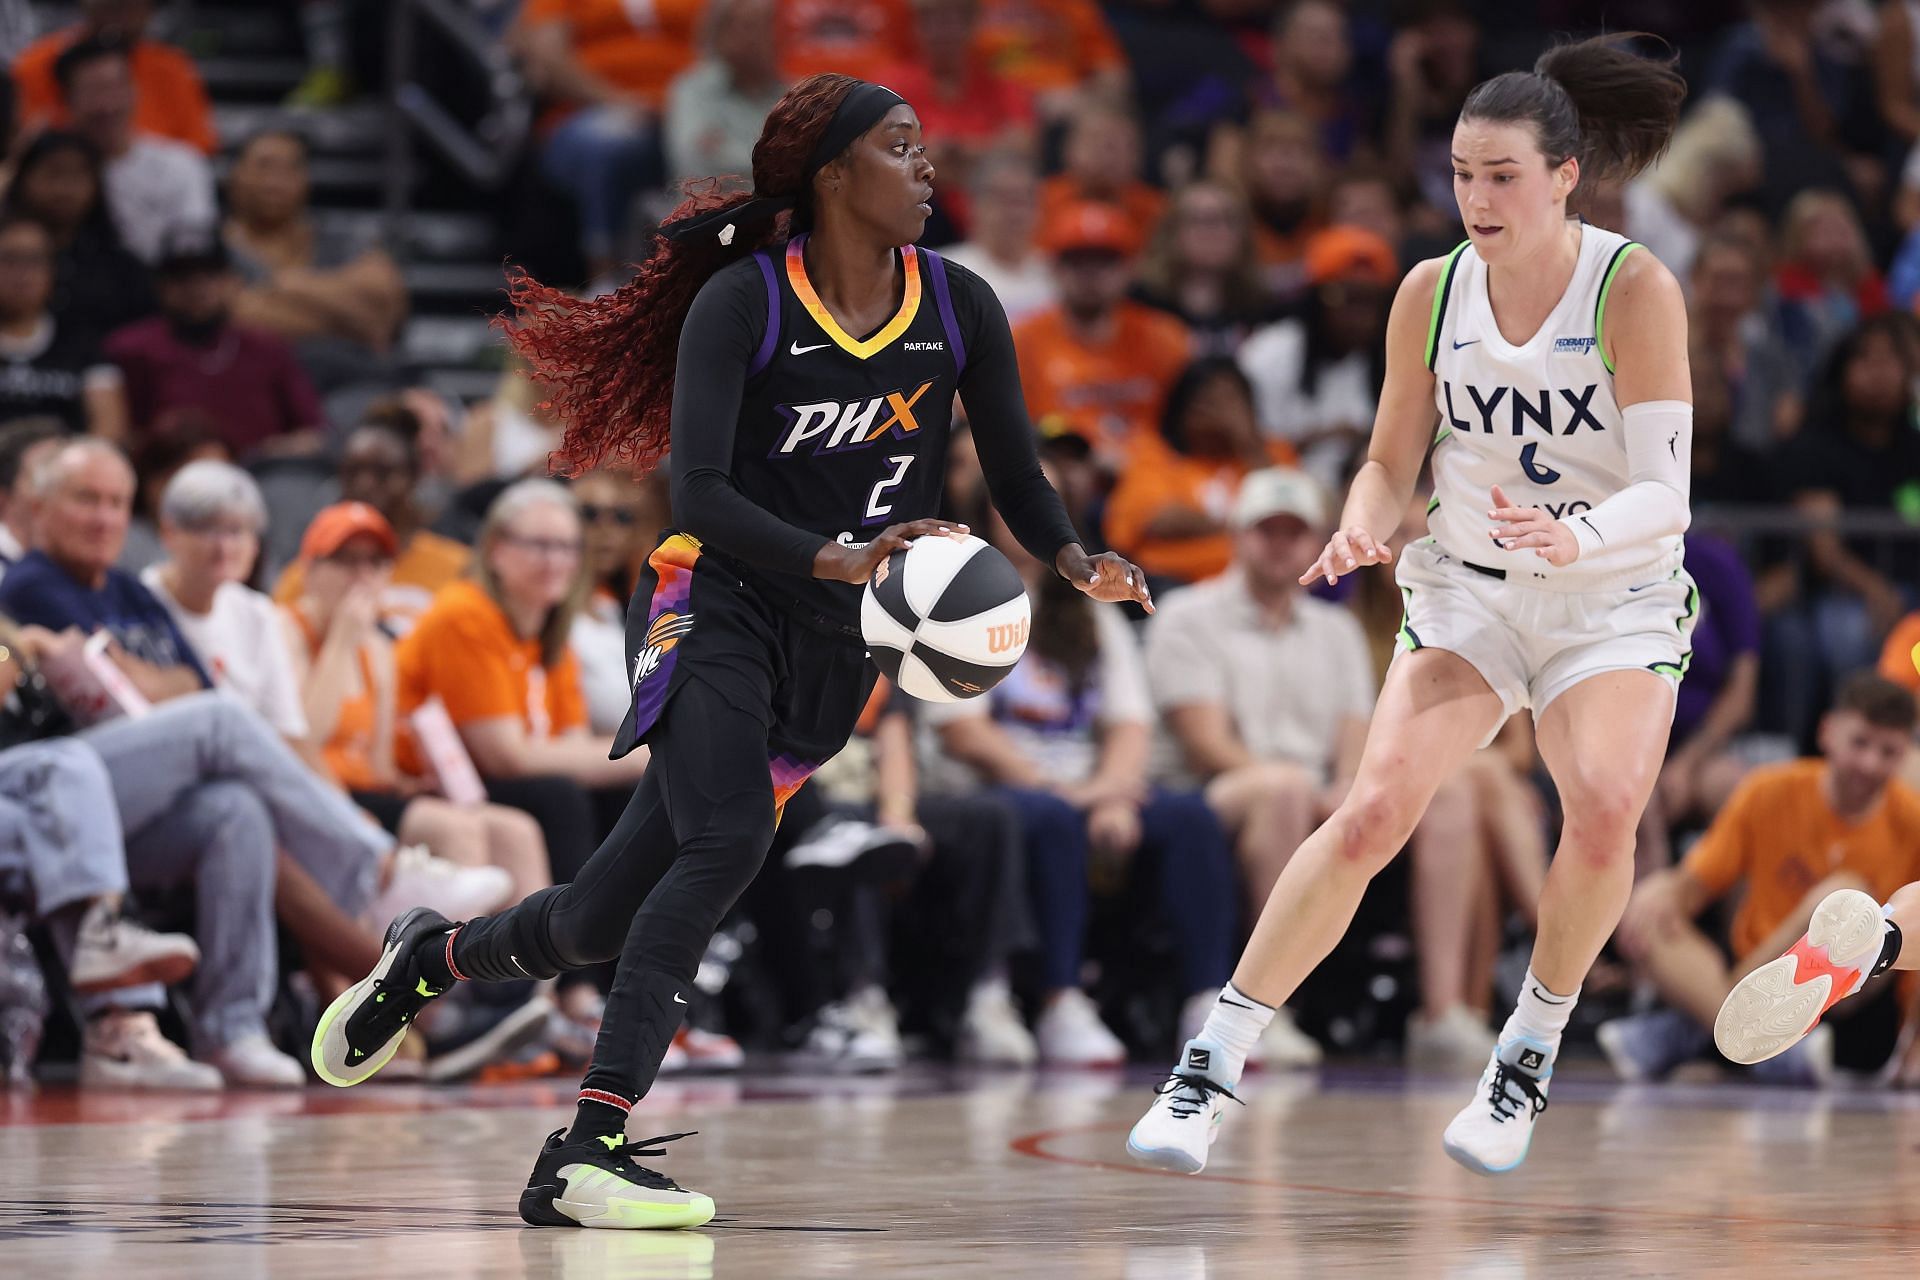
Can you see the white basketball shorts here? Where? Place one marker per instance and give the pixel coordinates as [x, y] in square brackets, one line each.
[1533, 643]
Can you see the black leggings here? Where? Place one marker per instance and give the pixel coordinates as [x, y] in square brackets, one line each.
[690, 842]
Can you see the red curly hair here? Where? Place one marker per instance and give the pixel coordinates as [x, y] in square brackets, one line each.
[607, 363]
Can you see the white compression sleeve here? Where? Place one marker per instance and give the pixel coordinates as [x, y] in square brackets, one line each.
[1659, 466]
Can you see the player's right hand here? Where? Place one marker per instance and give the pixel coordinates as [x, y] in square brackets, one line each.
[837, 562]
[1346, 551]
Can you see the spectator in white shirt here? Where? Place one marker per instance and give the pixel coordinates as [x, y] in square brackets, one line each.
[1005, 221]
[153, 184]
[211, 518]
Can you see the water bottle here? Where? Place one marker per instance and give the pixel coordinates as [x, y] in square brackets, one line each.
[23, 1002]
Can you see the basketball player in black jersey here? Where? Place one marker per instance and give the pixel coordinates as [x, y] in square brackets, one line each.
[811, 401]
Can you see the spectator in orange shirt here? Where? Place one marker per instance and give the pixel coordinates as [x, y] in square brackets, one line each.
[852, 37]
[607, 65]
[171, 102]
[966, 107]
[1169, 512]
[343, 667]
[1282, 170]
[1792, 834]
[1097, 358]
[1102, 156]
[380, 466]
[1060, 50]
[493, 650]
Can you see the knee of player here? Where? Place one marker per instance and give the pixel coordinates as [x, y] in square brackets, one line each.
[1371, 825]
[1602, 814]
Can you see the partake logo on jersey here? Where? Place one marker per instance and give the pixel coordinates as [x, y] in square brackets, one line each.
[1574, 346]
[663, 633]
[841, 426]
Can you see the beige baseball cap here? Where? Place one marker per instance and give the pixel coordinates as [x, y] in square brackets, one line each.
[1278, 491]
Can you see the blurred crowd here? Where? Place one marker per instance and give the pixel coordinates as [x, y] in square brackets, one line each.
[380, 656]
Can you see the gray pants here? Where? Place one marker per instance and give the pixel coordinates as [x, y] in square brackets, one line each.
[59, 822]
[205, 791]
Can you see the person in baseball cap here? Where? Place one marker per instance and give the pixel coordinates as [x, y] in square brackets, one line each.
[1279, 491]
[335, 526]
[1098, 359]
[1091, 227]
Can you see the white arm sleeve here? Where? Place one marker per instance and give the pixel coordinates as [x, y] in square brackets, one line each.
[1659, 466]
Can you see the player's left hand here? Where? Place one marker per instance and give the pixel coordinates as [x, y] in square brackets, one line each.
[1520, 528]
[1106, 576]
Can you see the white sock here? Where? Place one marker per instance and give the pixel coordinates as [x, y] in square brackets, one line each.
[1539, 1014]
[1233, 1025]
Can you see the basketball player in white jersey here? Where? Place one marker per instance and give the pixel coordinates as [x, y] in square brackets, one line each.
[1555, 354]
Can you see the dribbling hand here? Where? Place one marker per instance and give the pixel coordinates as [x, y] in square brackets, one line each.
[1518, 528]
[1106, 577]
[837, 562]
[1346, 551]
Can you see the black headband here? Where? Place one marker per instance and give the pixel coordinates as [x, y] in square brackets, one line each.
[865, 105]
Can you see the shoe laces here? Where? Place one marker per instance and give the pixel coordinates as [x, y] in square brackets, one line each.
[1188, 1094]
[1525, 1094]
[621, 1160]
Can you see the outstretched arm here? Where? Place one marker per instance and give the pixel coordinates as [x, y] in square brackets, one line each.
[1402, 430]
[1004, 436]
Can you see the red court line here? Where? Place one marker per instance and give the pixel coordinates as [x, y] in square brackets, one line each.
[1035, 1145]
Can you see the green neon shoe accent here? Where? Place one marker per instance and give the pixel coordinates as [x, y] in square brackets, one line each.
[381, 998]
[1440, 301]
[424, 990]
[1600, 307]
[612, 1140]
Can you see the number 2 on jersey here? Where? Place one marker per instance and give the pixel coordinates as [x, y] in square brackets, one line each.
[899, 462]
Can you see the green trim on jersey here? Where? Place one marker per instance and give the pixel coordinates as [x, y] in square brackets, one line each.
[1600, 307]
[1440, 296]
[1409, 639]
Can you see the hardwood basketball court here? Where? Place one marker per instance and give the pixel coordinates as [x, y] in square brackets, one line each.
[949, 1174]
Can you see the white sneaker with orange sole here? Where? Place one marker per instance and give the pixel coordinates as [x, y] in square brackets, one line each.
[1775, 1006]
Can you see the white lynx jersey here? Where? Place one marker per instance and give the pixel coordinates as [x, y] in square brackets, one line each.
[1539, 419]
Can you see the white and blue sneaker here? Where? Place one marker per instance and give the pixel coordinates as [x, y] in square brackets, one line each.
[1492, 1134]
[1186, 1115]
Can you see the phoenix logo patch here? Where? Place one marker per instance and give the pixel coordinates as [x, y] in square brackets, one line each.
[663, 633]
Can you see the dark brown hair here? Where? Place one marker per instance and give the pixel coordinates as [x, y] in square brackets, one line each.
[1878, 700]
[1594, 100]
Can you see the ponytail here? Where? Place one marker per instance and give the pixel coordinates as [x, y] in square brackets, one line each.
[607, 364]
[1594, 100]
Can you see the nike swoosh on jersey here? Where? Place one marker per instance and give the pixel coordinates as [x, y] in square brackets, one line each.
[795, 349]
[678, 998]
[1469, 342]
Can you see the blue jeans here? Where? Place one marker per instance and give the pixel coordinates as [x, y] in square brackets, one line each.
[603, 160]
[1182, 845]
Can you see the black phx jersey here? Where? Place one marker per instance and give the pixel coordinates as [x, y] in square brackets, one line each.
[844, 436]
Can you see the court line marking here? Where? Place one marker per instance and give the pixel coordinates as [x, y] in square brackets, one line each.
[1034, 1145]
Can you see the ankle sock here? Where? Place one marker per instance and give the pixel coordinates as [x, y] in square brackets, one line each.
[599, 1114]
[1540, 1014]
[1233, 1025]
[434, 960]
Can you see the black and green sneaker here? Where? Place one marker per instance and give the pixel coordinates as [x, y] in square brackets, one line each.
[360, 1031]
[596, 1183]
